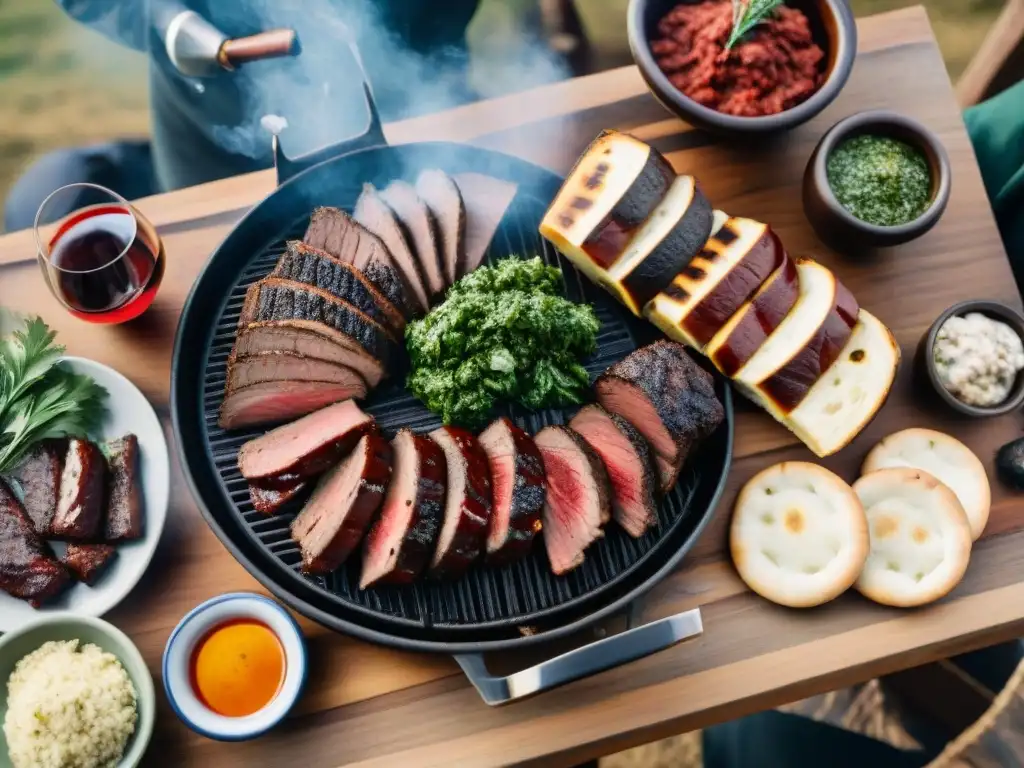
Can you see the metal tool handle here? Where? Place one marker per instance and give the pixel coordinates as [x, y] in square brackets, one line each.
[589, 660]
[272, 44]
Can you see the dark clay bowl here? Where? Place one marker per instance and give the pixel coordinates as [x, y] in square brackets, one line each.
[841, 229]
[833, 28]
[925, 360]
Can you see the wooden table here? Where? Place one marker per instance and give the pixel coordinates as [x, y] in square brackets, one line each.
[371, 706]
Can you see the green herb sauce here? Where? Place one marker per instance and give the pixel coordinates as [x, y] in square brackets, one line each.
[880, 180]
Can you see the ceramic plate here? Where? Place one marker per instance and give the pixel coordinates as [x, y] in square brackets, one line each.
[128, 411]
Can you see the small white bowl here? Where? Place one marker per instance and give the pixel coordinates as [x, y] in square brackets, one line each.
[194, 627]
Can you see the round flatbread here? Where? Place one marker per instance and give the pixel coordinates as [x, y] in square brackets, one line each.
[920, 537]
[798, 535]
[947, 460]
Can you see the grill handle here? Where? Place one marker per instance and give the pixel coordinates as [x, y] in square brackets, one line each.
[589, 660]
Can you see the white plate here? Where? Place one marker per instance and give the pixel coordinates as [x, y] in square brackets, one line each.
[128, 410]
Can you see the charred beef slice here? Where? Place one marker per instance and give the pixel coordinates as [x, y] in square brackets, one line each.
[83, 493]
[289, 366]
[630, 462]
[402, 540]
[467, 509]
[441, 194]
[421, 228]
[273, 402]
[578, 500]
[125, 518]
[375, 214]
[28, 569]
[304, 448]
[87, 561]
[670, 399]
[268, 500]
[341, 508]
[39, 477]
[518, 488]
[486, 199]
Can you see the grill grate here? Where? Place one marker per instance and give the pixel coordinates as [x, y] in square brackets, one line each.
[520, 593]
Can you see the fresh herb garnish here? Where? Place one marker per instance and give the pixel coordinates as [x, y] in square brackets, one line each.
[39, 398]
[747, 14]
[502, 334]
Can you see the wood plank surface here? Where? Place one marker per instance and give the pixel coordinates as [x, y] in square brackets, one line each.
[367, 705]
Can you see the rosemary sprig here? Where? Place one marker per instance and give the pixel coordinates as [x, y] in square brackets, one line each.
[747, 14]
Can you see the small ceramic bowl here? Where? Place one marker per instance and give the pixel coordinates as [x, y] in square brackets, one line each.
[194, 627]
[837, 226]
[18, 643]
[926, 358]
[832, 26]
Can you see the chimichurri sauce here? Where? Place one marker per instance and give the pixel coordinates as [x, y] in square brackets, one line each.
[880, 180]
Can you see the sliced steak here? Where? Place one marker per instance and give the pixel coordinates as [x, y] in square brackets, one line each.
[39, 477]
[374, 214]
[269, 500]
[341, 508]
[419, 224]
[304, 448]
[290, 366]
[312, 266]
[391, 283]
[312, 340]
[486, 199]
[28, 569]
[83, 493]
[629, 460]
[518, 487]
[124, 498]
[670, 399]
[403, 538]
[87, 561]
[441, 194]
[273, 402]
[578, 500]
[467, 510]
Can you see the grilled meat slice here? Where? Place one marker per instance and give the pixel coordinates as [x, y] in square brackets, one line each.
[389, 281]
[39, 478]
[341, 508]
[670, 399]
[375, 214]
[289, 366]
[467, 510]
[28, 569]
[269, 500]
[83, 493]
[304, 448]
[518, 487]
[403, 538]
[578, 500]
[441, 194]
[486, 199]
[273, 402]
[334, 231]
[312, 340]
[124, 499]
[87, 561]
[312, 266]
[421, 227]
[630, 462]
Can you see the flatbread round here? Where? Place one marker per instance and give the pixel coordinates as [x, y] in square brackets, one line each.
[946, 459]
[920, 537]
[798, 535]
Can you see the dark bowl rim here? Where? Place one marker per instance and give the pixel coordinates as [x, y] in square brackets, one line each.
[996, 310]
[926, 141]
[640, 47]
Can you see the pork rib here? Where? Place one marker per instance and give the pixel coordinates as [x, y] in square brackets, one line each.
[88, 561]
[39, 477]
[83, 493]
[124, 498]
[28, 569]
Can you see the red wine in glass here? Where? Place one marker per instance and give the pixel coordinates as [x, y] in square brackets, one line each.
[104, 261]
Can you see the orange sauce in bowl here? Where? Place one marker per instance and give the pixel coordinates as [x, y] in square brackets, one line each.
[238, 667]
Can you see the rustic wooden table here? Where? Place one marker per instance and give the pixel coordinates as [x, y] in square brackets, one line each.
[372, 706]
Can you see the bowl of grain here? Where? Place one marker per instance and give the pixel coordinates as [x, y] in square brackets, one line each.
[75, 691]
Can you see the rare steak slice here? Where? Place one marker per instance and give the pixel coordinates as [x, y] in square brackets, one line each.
[630, 462]
[518, 487]
[441, 194]
[486, 199]
[28, 569]
[670, 399]
[124, 499]
[83, 493]
[341, 508]
[578, 501]
[304, 448]
[403, 538]
[87, 561]
[467, 510]
[39, 477]
[274, 402]
[290, 366]
[421, 227]
[269, 499]
[376, 215]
